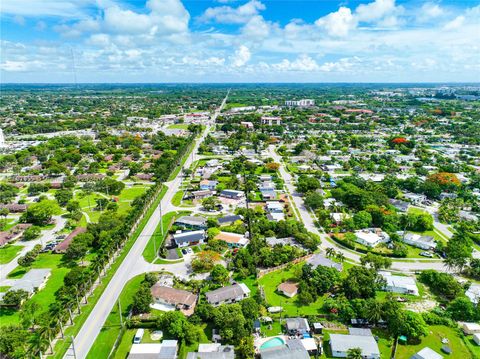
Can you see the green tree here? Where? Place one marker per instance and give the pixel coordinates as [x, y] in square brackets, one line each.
[142, 300]
[376, 261]
[219, 274]
[210, 203]
[360, 282]
[14, 298]
[63, 196]
[354, 353]
[31, 233]
[41, 213]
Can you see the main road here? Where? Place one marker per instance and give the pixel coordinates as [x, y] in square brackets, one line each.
[309, 222]
[133, 264]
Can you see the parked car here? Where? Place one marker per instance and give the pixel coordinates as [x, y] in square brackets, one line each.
[189, 250]
[184, 251]
[426, 254]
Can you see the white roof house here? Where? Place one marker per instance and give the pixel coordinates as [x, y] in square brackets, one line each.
[417, 240]
[427, 353]
[371, 237]
[471, 328]
[341, 343]
[474, 293]
[399, 284]
[476, 338]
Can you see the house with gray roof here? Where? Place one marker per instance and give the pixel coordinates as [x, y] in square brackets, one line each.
[320, 260]
[185, 239]
[213, 351]
[340, 344]
[191, 222]
[229, 294]
[292, 350]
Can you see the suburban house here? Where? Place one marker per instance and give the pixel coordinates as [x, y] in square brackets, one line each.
[417, 240]
[232, 194]
[167, 349]
[473, 293]
[402, 206]
[191, 222]
[288, 289]
[208, 184]
[229, 219]
[14, 233]
[63, 246]
[470, 328]
[201, 194]
[399, 284]
[268, 193]
[233, 240]
[275, 211]
[415, 198]
[171, 297]
[296, 326]
[371, 237]
[185, 239]
[320, 260]
[292, 349]
[340, 344]
[427, 353]
[213, 351]
[230, 294]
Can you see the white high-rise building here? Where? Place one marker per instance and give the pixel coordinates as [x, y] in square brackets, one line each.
[300, 103]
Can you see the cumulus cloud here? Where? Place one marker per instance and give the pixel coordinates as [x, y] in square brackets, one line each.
[338, 23]
[429, 11]
[233, 15]
[303, 63]
[256, 28]
[241, 56]
[455, 23]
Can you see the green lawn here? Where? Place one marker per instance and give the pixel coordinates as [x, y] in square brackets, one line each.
[43, 297]
[157, 238]
[434, 341]
[4, 288]
[106, 338]
[177, 198]
[291, 307]
[125, 344]
[178, 126]
[474, 348]
[8, 252]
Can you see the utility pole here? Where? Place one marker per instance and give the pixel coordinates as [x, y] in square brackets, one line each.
[73, 347]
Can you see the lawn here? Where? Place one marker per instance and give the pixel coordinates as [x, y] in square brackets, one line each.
[434, 341]
[111, 328]
[474, 348]
[178, 126]
[8, 252]
[167, 219]
[177, 198]
[43, 297]
[291, 306]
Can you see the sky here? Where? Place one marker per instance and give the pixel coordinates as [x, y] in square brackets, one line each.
[84, 41]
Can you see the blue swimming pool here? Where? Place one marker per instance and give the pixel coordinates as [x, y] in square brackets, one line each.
[274, 342]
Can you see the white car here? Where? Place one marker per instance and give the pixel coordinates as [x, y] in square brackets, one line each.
[426, 254]
[189, 250]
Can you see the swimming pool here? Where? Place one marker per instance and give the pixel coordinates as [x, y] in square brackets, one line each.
[274, 342]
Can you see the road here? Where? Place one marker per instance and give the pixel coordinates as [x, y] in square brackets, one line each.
[45, 237]
[308, 221]
[134, 264]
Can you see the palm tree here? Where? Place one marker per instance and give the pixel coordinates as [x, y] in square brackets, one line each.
[330, 252]
[374, 311]
[354, 353]
[340, 256]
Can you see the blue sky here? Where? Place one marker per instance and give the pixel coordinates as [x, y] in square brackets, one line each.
[240, 41]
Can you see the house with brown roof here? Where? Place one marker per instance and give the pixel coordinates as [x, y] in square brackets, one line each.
[63, 246]
[289, 289]
[14, 233]
[171, 297]
[233, 240]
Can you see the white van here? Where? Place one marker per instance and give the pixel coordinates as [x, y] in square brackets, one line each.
[138, 336]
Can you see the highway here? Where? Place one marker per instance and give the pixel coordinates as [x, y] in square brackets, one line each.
[406, 264]
[133, 264]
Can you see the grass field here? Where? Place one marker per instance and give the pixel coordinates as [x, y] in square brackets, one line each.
[46, 295]
[434, 341]
[178, 126]
[149, 251]
[291, 306]
[8, 252]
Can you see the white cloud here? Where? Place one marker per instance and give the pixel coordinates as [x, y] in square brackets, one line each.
[455, 23]
[338, 23]
[375, 10]
[12, 66]
[231, 15]
[241, 57]
[36, 8]
[256, 28]
[429, 11]
[303, 63]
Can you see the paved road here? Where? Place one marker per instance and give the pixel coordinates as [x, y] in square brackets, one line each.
[46, 236]
[398, 265]
[134, 264]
